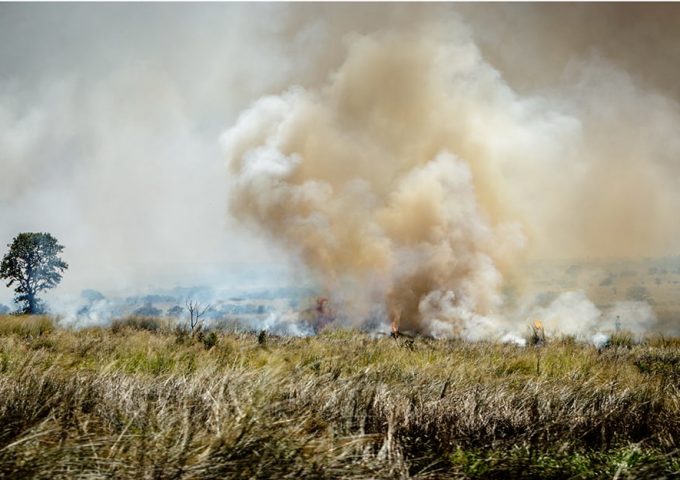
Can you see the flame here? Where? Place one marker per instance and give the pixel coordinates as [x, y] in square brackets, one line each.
[538, 325]
[394, 327]
[395, 314]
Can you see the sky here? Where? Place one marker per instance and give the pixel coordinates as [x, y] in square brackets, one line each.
[113, 119]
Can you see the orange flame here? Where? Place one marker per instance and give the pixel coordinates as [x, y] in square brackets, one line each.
[394, 327]
[538, 325]
[395, 314]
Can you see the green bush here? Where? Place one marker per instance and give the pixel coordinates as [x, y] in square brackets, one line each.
[209, 340]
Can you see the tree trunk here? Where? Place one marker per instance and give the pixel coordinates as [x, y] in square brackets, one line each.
[31, 303]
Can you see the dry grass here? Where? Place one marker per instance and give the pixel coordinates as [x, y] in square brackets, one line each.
[25, 326]
[139, 323]
[140, 404]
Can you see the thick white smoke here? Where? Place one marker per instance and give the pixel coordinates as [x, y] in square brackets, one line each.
[360, 179]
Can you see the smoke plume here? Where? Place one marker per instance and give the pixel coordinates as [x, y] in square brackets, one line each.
[416, 176]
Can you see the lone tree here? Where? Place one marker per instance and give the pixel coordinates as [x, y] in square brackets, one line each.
[34, 265]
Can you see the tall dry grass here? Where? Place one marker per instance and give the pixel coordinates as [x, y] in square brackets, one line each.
[132, 403]
[25, 326]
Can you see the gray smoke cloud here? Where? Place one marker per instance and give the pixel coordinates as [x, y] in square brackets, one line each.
[408, 156]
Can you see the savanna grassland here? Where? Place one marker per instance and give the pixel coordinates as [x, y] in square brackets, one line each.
[143, 400]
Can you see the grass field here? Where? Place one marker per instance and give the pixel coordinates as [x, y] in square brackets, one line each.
[141, 401]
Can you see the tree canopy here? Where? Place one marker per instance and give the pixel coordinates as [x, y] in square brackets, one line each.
[32, 264]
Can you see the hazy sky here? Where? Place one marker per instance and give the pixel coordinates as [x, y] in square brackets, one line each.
[111, 117]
